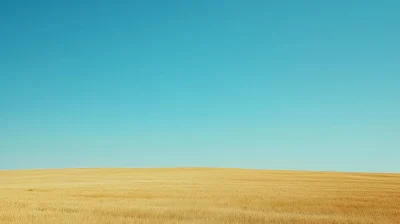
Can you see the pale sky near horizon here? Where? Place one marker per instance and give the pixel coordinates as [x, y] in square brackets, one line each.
[309, 85]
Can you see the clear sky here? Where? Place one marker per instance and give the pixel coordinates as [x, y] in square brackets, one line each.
[311, 85]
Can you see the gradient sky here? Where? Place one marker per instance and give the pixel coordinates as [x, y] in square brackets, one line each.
[311, 85]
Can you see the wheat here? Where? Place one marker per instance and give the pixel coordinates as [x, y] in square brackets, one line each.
[197, 195]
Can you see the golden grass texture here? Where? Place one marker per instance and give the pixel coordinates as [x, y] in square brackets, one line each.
[197, 195]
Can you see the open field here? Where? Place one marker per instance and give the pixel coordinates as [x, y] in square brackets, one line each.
[197, 195]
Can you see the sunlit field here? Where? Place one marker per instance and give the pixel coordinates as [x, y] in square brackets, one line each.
[197, 195]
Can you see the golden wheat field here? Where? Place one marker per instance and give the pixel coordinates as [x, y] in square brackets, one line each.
[197, 195]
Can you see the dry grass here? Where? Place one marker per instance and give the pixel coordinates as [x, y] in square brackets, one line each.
[197, 196]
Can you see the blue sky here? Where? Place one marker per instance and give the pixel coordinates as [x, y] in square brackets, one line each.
[310, 85]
